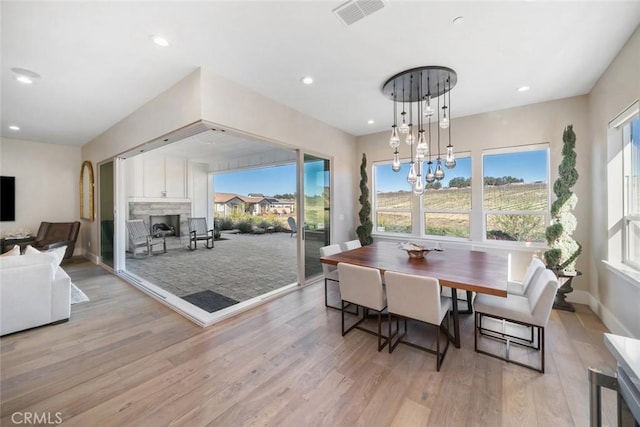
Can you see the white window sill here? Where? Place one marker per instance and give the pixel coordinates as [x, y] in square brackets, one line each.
[630, 274]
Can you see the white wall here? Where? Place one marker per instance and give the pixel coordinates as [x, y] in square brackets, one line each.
[235, 107]
[173, 109]
[47, 183]
[616, 299]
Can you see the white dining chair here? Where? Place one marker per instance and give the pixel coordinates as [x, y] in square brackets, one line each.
[351, 244]
[531, 310]
[330, 272]
[417, 298]
[520, 288]
[362, 286]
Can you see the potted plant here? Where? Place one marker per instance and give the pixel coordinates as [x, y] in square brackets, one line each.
[563, 249]
[364, 229]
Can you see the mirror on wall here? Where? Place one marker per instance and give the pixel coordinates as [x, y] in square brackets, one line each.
[86, 191]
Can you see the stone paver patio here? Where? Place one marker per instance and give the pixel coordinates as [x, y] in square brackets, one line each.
[242, 266]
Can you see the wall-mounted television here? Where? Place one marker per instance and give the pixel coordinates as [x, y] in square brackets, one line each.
[7, 198]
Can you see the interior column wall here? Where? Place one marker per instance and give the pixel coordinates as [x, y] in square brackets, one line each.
[615, 297]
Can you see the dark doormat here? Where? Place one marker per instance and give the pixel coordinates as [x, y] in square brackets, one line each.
[209, 301]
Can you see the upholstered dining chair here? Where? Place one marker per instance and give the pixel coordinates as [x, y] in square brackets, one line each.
[330, 272]
[140, 236]
[198, 230]
[362, 286]
[520, 288]
[417, 298]
[351, 244]
[531, 310]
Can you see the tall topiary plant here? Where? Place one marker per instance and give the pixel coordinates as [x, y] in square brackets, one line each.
[364, 229]
[563, 249]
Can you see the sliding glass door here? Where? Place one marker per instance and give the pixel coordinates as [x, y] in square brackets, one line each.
[316, 228]
[106, 194]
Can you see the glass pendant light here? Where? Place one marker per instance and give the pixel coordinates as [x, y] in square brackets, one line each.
[412, 177]
[396, 161]
[404, 127]
[422, 149]
[394, 141]
[439, 173]
[430, 175]
[418, 187]
[444, 123]
[450, 160]
[428, 109]
[410, 138]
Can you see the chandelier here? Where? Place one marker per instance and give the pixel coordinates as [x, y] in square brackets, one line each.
[429, 87]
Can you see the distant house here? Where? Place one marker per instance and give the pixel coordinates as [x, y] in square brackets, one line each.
[226, 203]
[255, 204]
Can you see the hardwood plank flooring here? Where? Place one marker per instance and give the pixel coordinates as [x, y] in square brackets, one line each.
[126, 360]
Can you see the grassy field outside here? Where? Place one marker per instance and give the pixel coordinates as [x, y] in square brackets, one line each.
[511, 197]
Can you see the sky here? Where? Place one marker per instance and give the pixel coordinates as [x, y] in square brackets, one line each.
[282, 179]
[268, 181]
[524, 164]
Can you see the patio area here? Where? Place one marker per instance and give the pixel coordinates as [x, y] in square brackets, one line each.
[239, 267]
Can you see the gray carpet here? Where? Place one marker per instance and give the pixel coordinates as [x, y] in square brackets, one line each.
[240, 268]
[209, 301]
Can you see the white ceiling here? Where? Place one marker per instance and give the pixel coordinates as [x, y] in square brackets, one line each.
[98, 64]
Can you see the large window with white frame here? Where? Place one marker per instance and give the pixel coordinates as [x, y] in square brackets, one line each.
[516, 193]
[631, 191]
[447, 203]
[392, 199]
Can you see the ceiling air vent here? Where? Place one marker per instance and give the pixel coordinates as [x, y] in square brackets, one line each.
[354, 10]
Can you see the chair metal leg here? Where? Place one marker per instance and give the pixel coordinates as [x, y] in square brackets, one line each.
[508, 340]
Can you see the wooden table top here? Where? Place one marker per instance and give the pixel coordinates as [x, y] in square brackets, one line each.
[474, 271]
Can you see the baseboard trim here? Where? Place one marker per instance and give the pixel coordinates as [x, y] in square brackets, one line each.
[607, 317]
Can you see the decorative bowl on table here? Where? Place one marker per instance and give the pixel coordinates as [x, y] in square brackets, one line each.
[416, 251]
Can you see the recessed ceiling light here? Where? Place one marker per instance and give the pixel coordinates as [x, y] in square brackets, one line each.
[306, 80]
[14, 128]
[160, 41]
[25, 76]
[24, 80]
[458, 20]
[523, 88]
[371, 121]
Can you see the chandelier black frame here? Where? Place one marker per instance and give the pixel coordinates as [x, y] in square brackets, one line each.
[426, 86]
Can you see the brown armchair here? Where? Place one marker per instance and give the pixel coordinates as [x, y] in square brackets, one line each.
[56, 234]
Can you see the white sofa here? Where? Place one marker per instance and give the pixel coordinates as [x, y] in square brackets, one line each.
[34, 291]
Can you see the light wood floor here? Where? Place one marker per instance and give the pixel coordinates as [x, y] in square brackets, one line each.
[125, 359]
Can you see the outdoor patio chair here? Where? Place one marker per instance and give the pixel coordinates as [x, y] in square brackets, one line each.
[139, 235]
[292, 225]
[198, 230]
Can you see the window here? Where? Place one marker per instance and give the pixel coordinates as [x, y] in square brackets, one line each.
[516, 193]
[447, 203]
[392, 199]
[631, 192]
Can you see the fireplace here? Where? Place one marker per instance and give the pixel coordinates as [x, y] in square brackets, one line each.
[164, 225]
[173, 214]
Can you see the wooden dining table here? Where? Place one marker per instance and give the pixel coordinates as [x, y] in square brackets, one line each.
[468, 270]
